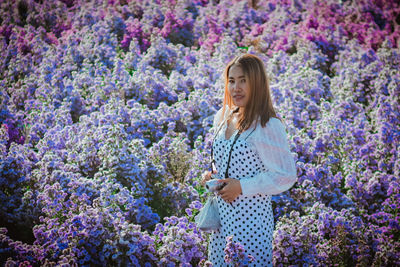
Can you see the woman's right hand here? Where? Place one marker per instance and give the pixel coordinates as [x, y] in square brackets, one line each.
[206, 176]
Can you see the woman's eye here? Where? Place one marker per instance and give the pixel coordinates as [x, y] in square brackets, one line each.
[243, 80]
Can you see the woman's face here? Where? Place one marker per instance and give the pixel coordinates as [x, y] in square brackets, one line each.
[238, 86]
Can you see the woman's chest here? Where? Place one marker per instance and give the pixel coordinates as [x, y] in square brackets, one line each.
[244, 159]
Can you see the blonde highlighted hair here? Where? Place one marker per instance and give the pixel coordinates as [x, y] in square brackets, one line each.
[259, 105]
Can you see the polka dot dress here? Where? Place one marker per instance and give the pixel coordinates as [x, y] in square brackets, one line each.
[249, 219]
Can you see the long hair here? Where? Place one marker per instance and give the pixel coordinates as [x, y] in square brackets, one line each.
[259, 105]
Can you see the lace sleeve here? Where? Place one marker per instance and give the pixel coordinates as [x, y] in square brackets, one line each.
[271, 144]
[219, 117]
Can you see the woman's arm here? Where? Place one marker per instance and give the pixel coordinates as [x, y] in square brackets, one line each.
[272, 147]
[217, 118]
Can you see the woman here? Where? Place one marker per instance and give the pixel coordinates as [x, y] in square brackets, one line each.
[260, 164]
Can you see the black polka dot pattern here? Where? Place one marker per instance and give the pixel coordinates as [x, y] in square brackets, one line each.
[248, 219]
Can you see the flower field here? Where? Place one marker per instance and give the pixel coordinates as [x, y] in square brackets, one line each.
[106, 109]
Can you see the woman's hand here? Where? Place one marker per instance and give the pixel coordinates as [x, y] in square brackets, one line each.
[231, 190]
[206, 176]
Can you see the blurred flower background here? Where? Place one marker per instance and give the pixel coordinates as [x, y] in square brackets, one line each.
[106, 109]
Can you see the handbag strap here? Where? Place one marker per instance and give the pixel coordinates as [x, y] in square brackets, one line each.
[230, 154]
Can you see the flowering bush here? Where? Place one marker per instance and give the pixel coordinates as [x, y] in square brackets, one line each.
[235, 253]
[322, 236]
[106, 109]
[178, 240]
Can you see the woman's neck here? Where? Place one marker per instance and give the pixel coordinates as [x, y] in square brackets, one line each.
[237, 110]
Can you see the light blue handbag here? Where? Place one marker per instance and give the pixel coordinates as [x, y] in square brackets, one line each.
[208, 217]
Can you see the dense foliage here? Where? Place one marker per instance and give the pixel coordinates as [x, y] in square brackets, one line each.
[106, 109]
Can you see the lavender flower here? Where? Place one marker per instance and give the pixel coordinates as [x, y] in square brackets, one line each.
[235, 254]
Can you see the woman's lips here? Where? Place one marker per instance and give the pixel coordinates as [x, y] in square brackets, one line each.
[238, 97]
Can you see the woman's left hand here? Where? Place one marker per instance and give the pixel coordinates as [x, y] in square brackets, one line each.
[231, 190]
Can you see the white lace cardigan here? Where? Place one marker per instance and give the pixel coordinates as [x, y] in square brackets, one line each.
[271, 144]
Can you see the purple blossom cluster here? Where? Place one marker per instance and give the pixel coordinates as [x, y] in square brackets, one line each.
[106, 109]
[178, 240]
[235, 253]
